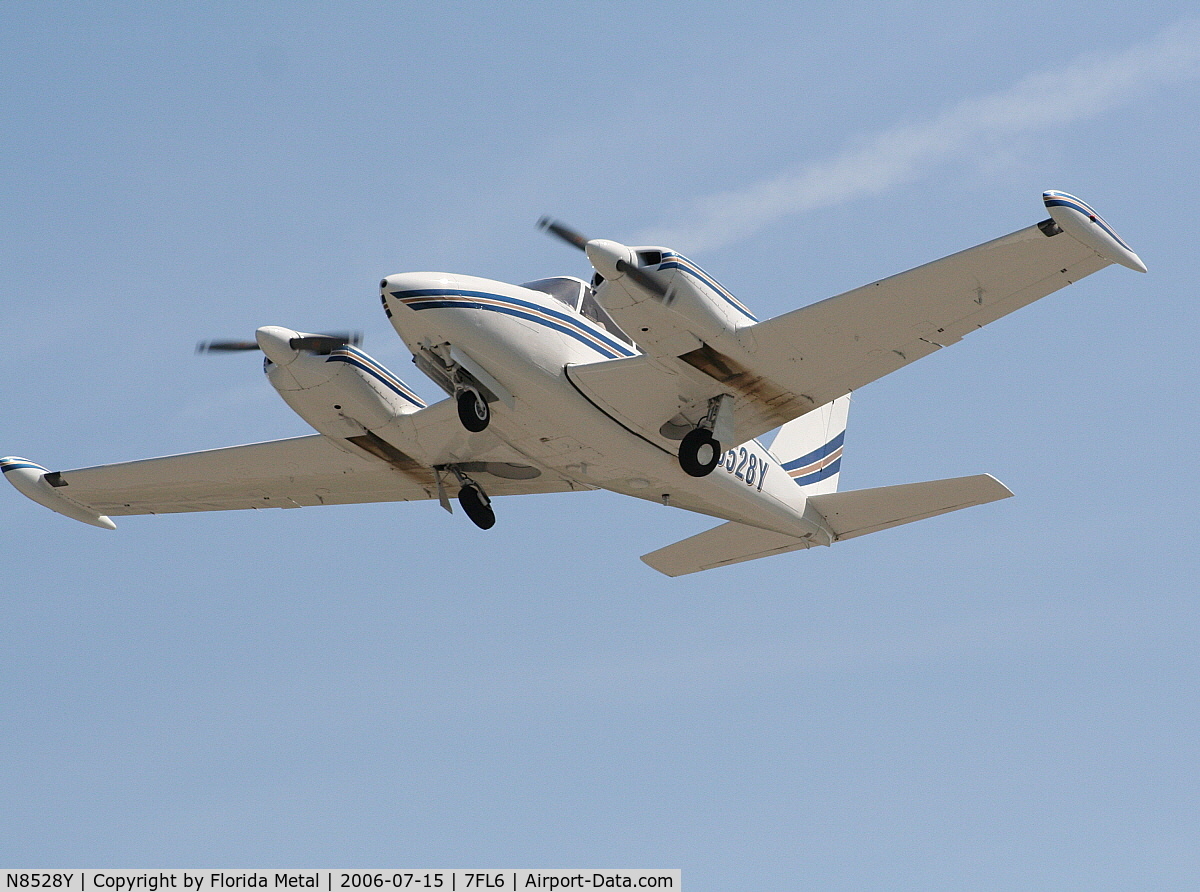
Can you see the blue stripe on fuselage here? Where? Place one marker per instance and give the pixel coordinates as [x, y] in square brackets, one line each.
[577, 328]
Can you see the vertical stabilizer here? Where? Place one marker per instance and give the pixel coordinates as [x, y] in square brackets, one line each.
[809, 448]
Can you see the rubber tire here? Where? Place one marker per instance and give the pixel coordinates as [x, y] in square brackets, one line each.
[477, 506]
[699, 453]
[473, 411]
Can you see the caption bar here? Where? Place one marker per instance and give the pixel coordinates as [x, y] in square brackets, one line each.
[338, 880]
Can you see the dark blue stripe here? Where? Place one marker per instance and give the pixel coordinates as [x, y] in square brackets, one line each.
[575, 320]
[1059, 201]
[569, 325]
[816, 476]
[691, 269]
[22, 463]
[817, 454]
[359, 364]
[519, 314]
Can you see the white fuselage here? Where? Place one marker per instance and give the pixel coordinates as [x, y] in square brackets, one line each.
[526, 340]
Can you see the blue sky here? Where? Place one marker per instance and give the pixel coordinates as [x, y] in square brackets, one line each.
[1003, 698]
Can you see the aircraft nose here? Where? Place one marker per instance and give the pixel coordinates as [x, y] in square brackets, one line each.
[397, 290]
[415, 282]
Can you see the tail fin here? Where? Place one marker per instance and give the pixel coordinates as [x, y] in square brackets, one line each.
[809, 448]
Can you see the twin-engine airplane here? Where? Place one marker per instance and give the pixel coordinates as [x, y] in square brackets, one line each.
[652, 381]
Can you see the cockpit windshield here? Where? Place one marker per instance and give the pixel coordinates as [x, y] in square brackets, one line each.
[564, 289]
[579, 296]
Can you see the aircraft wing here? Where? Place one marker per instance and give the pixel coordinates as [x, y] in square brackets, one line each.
[830, 348]
[278, 474]
[293, 473]
[787, 366]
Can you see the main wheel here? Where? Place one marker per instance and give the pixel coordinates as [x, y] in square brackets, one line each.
[477, 506]
[473, 410]
[699, 453]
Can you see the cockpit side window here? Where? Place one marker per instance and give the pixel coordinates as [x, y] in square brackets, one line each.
[591, 309]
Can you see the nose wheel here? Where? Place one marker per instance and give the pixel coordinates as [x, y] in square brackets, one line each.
[473, 410]
[699, 453]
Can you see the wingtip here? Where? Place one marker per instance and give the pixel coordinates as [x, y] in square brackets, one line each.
[1078, 218]
[31, 480]
[1002, 491]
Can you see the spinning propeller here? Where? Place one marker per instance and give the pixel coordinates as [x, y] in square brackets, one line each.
[321, 344]
[605, 256]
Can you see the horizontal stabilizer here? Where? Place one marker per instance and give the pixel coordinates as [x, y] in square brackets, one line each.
[730, 543]
[863, 511]
[848, 514]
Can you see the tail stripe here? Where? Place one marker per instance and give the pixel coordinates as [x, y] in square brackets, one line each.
[819, 464]
[823, 471]
[815, 470]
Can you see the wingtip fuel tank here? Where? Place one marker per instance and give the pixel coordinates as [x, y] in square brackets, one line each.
[39, 484]
[1079, 220]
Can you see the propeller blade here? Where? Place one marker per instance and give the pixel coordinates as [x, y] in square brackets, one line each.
[326, 343]
[643, 278]
[564, 232]
[225, 346]
[321, 344]
[580, 241]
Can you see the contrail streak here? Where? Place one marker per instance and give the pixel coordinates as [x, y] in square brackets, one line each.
[1087, 87]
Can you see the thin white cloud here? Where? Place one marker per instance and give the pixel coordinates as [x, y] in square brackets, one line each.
[1087, 87]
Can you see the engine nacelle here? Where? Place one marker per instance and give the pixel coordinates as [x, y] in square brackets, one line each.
[342, 393]
[686, 308]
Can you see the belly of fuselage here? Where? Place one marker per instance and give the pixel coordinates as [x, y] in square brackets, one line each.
[526, 340]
